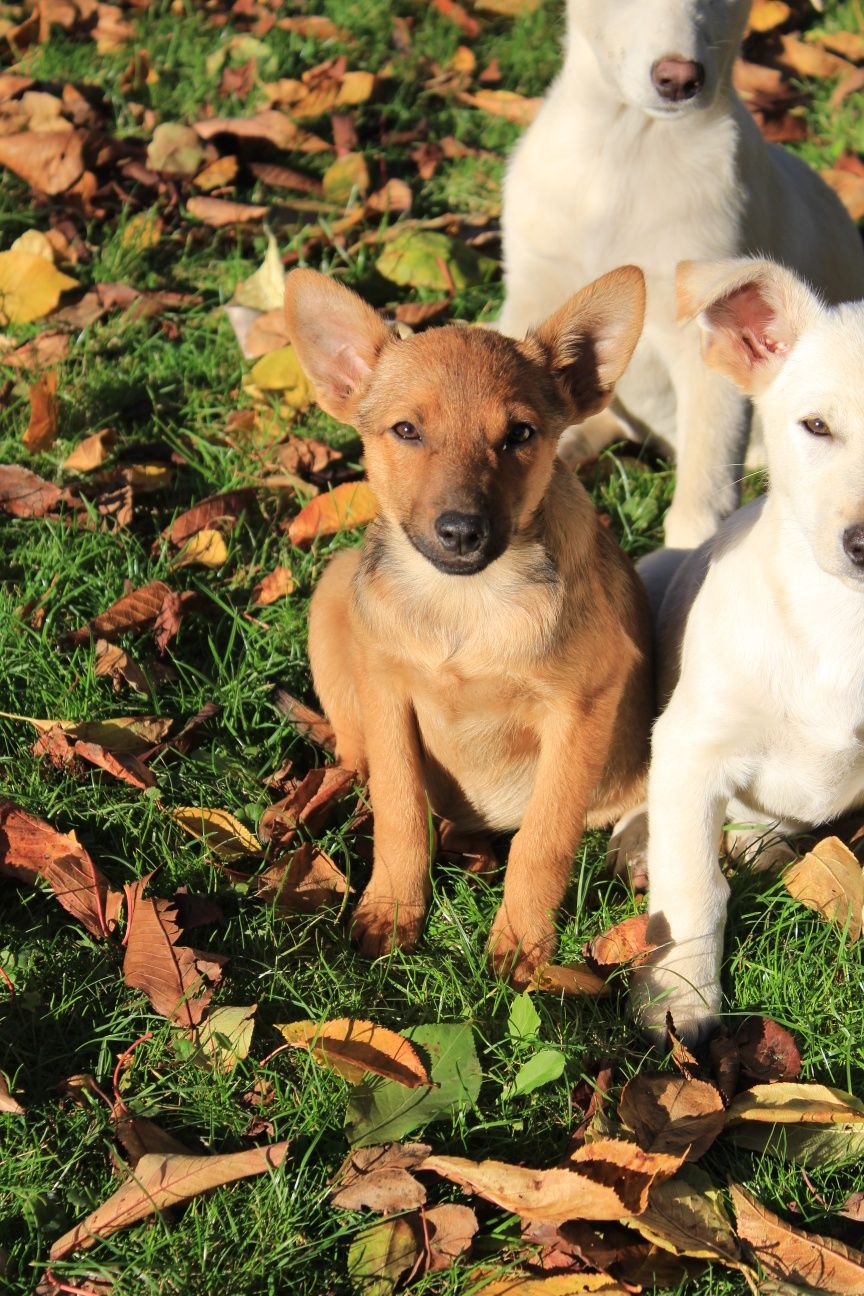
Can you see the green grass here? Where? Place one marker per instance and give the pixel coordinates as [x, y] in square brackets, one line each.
[174, 386]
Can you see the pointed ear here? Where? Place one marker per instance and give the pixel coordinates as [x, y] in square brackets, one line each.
[588, 342]
[751, 314]
[337, 336]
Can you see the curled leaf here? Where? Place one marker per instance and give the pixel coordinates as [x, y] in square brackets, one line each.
[352, 1048]
[350, 505]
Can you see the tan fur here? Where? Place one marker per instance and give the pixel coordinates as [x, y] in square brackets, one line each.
[516, 698]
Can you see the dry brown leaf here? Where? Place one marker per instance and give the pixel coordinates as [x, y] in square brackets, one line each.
[516, 1283]
[302, 881]
[126, 768]
[572, 979]
[767, 1052]
[793, 1104]
[139, 1136]
[274, 127]
[217, 174]
[809, 60]
[275, 585]
[24, 495]
[416, 313]
[221, 211]
[394, 196]
[606, 1179]
[7, 1102]
[310, 803]
[830, 880]
[267, 333]
[352, 1047]
[123, 734]
[92, 452]
[624, 945]
[221, 833]
[848, 187]
[163, 1181]
[457, 14]
[177, 979]
[350, 505]
[686, 1215]
[135, 611]
[672, 1114]
[848, 44]
[378, 1178]
[513, 107]
[31, 848]
[205, 513]
[41, 430]
[113, 661]
[50, 161]
[175, 150]
[793, 1255]
[45, 350]
[305, 456]
[310, 724]
[450, 1229]
[315, 27]
[205, 548]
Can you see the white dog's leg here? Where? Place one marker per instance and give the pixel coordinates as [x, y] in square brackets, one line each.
[585, 440]
[712, 426]
[627, 854]
[687, 798]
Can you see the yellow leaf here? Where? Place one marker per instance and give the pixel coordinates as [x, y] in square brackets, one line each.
[794, 1104]
[829, 879]
[503, 103]
[347, 175]
[768, 14]
[92, 452]
[351, 504]
[142, 231]
[224, 835]
[280, 371]
[265, 289]
[34, 242]
[30, 287]
[352, 1048]
[121, 734]
[204, 549]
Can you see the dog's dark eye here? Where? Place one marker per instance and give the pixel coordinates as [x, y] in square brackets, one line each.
[816, 427]
[405, 431]
[519, 433]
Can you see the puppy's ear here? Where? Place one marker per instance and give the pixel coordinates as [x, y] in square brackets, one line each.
[588, 342]
[751, 314]
[337, 336]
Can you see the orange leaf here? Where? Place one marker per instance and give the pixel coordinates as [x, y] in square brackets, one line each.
[275, 585]
[220, 211]
[50, 161]
[351, 1048]
[513, 107]
[91, 452]
[135, 611]
[351, 504]
[793, 1255]
[24, 495]
[42, 428]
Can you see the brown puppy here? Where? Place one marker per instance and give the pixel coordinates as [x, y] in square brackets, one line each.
[487, 648]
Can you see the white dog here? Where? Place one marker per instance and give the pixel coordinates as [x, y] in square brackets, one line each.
[765, 623]
[643, 153]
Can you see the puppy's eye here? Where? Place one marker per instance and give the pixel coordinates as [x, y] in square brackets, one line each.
[519, 434]
[816, 427]
[405, 431]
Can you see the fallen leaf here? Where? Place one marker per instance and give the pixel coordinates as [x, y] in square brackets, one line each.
[126, 768]
[142, 232]
[30, 286]
[24, 495]
[309, 723]
[382, 1110]
[315, 27]
[430, 259]
[767, 1052]
[175, 150]
[796, 1103]
[450, 1230]
[603, 1180]
[853, 1208]
[163, 1181]
[201, 516]
[848, 187]
[349, 505]
[672, 1114]
[377, 1178]
[725, 1064]
[217, 174]
[133, 612]
[457, 14]
[30, 848]
[225, 1035]
[92, 452]
[275, 585]
[204, 549]
[302, 881]
[41, 430]
[177, 979]
[809, 60]
[347, 176]
[280, 371]
[624, 945]
[381, 1253]
[573, 979]
[221, 833]
[219, 212]
[274, 127]
[512, 107]
[12, 1105]
[266, 333]
[516, 1283]
[807, 1123]
[849, 44]
[352, 1048]
[49, 161]
[830, 880]
[45, 350]
[416, 313]
[791, 1254]
[686, 1215]
[394, 196]
[765, 15]
[139, 1136]
[33, 240]
[310, 803]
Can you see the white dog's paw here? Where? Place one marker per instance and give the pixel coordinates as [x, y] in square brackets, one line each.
[684, 987]
[688, 528]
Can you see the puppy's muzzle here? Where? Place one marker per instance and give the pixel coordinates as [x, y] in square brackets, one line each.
[462, 535]
[853, 544]
[677, 79]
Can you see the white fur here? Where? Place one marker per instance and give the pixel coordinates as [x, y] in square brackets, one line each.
[609, 173]
[766, 722]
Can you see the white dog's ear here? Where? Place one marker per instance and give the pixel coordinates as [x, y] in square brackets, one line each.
[589, 340]
[751, 314]
[337, 336]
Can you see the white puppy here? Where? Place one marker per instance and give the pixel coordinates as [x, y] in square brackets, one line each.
[643, 152]
[763, 626]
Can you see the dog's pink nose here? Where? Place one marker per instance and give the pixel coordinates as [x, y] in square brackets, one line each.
[676, 79]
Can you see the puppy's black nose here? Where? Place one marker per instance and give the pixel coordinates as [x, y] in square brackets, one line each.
[462, 533]
[677, 79]
[853, 543]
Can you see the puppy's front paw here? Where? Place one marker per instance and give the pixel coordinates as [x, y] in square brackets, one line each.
[686, 988]
[517, 948]
[381, 924]
[689, 528]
